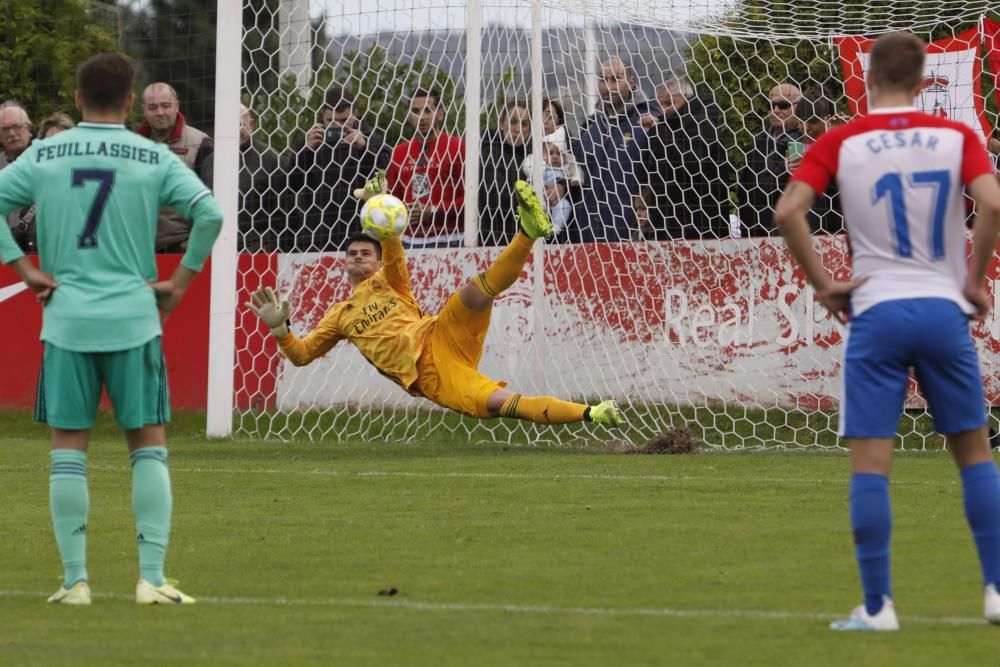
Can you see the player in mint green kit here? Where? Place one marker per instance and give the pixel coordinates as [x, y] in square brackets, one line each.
[97, 189]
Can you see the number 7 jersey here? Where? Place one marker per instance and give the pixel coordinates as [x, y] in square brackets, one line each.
[97, 189]
[901, 175]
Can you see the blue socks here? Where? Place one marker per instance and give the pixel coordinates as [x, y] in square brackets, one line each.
[871, 521]
[69, 503]
[152, 504]
[981, 491]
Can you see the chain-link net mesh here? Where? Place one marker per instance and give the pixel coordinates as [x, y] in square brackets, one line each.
[668, 133]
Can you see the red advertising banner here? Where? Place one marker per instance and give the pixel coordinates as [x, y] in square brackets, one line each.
[683, 322]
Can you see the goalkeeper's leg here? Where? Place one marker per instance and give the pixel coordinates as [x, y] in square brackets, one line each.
[478, 293]
[551, 410]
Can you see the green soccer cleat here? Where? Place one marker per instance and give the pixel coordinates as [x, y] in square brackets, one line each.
[535, 221]
[77, 594]
[607, 413]
[147, 593]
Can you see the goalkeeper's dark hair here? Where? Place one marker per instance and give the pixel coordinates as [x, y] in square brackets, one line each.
[105, 81]
[897, 62]
[363, 238]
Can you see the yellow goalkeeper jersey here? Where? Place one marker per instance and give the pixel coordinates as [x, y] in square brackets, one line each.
[381, 318]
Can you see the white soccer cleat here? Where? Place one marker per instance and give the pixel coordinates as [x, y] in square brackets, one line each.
[991, 604]
[77, 594]
[884, 621]
[147, 593]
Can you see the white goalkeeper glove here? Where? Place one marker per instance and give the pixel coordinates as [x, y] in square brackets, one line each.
[271, 310]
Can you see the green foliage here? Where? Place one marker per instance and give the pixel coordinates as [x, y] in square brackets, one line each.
[381, 87]
[739, 72]
[500, 555]
[174, 42]
[43, 42]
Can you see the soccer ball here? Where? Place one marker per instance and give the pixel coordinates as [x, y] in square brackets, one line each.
[384, 216]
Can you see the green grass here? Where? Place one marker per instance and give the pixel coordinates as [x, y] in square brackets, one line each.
[503, 555]
[727, 426]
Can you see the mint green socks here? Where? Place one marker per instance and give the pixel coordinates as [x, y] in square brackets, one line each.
[152, 505]
[69, 503]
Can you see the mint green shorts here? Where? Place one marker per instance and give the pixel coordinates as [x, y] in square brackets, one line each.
[70, 383]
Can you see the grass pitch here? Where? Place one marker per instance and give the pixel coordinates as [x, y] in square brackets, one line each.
[500, 556]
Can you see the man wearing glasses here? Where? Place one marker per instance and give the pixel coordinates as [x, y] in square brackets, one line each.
[765, 174]
[15, 132]
[15, 137]
[164, 123]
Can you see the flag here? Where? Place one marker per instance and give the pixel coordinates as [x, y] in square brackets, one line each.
[952, 86]
[991, 44]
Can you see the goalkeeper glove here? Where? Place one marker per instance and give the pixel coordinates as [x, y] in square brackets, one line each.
[376, 185]
[273, 312]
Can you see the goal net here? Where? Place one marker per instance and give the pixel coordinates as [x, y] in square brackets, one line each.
[659, 133]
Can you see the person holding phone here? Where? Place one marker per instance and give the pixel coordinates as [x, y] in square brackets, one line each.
[339, 153]
[818, 114]
[761, 181]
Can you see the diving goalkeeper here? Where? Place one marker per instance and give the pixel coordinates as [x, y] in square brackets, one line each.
[435, 356]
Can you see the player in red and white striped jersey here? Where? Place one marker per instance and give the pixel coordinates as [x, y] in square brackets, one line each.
[901, 176]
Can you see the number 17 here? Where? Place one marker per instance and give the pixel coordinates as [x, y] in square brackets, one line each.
[892, 184]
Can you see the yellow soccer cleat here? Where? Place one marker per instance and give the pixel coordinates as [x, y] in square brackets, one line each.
[77, 594]
[607, 413]
[535, 221]
[147, 593]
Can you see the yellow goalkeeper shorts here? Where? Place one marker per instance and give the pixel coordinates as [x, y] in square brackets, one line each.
[447, 367]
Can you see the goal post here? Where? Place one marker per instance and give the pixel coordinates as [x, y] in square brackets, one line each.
[669, 288]
[222, 308]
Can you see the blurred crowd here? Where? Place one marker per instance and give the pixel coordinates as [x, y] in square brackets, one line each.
[656, 169]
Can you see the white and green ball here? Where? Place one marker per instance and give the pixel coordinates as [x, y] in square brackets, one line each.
[384, 216]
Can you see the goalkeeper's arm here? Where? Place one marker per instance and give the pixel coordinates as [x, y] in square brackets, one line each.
[274, 312]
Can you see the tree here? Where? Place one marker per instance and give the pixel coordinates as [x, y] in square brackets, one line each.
[739, 71]
[380, 86]
[174, 41]
[43, 42]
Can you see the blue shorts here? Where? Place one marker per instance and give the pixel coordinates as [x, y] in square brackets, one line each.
[932, 337]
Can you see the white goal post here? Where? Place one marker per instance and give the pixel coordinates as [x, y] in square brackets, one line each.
[668, 289]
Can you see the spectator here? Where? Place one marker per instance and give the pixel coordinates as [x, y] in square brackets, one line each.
[765, 174]
[164, 123]
[262, 181]
[15, 132]
[561, 179]
[427, 173]
[54, 124]
[558, 152]
[610, 153]
[688, 168]
[15, 135]
[557, 200]
[818, 114]
[501, 155]
[554, 124]
[643, 230]
[339, 153]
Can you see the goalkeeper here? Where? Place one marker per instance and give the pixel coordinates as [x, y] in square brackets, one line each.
[435, 356]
